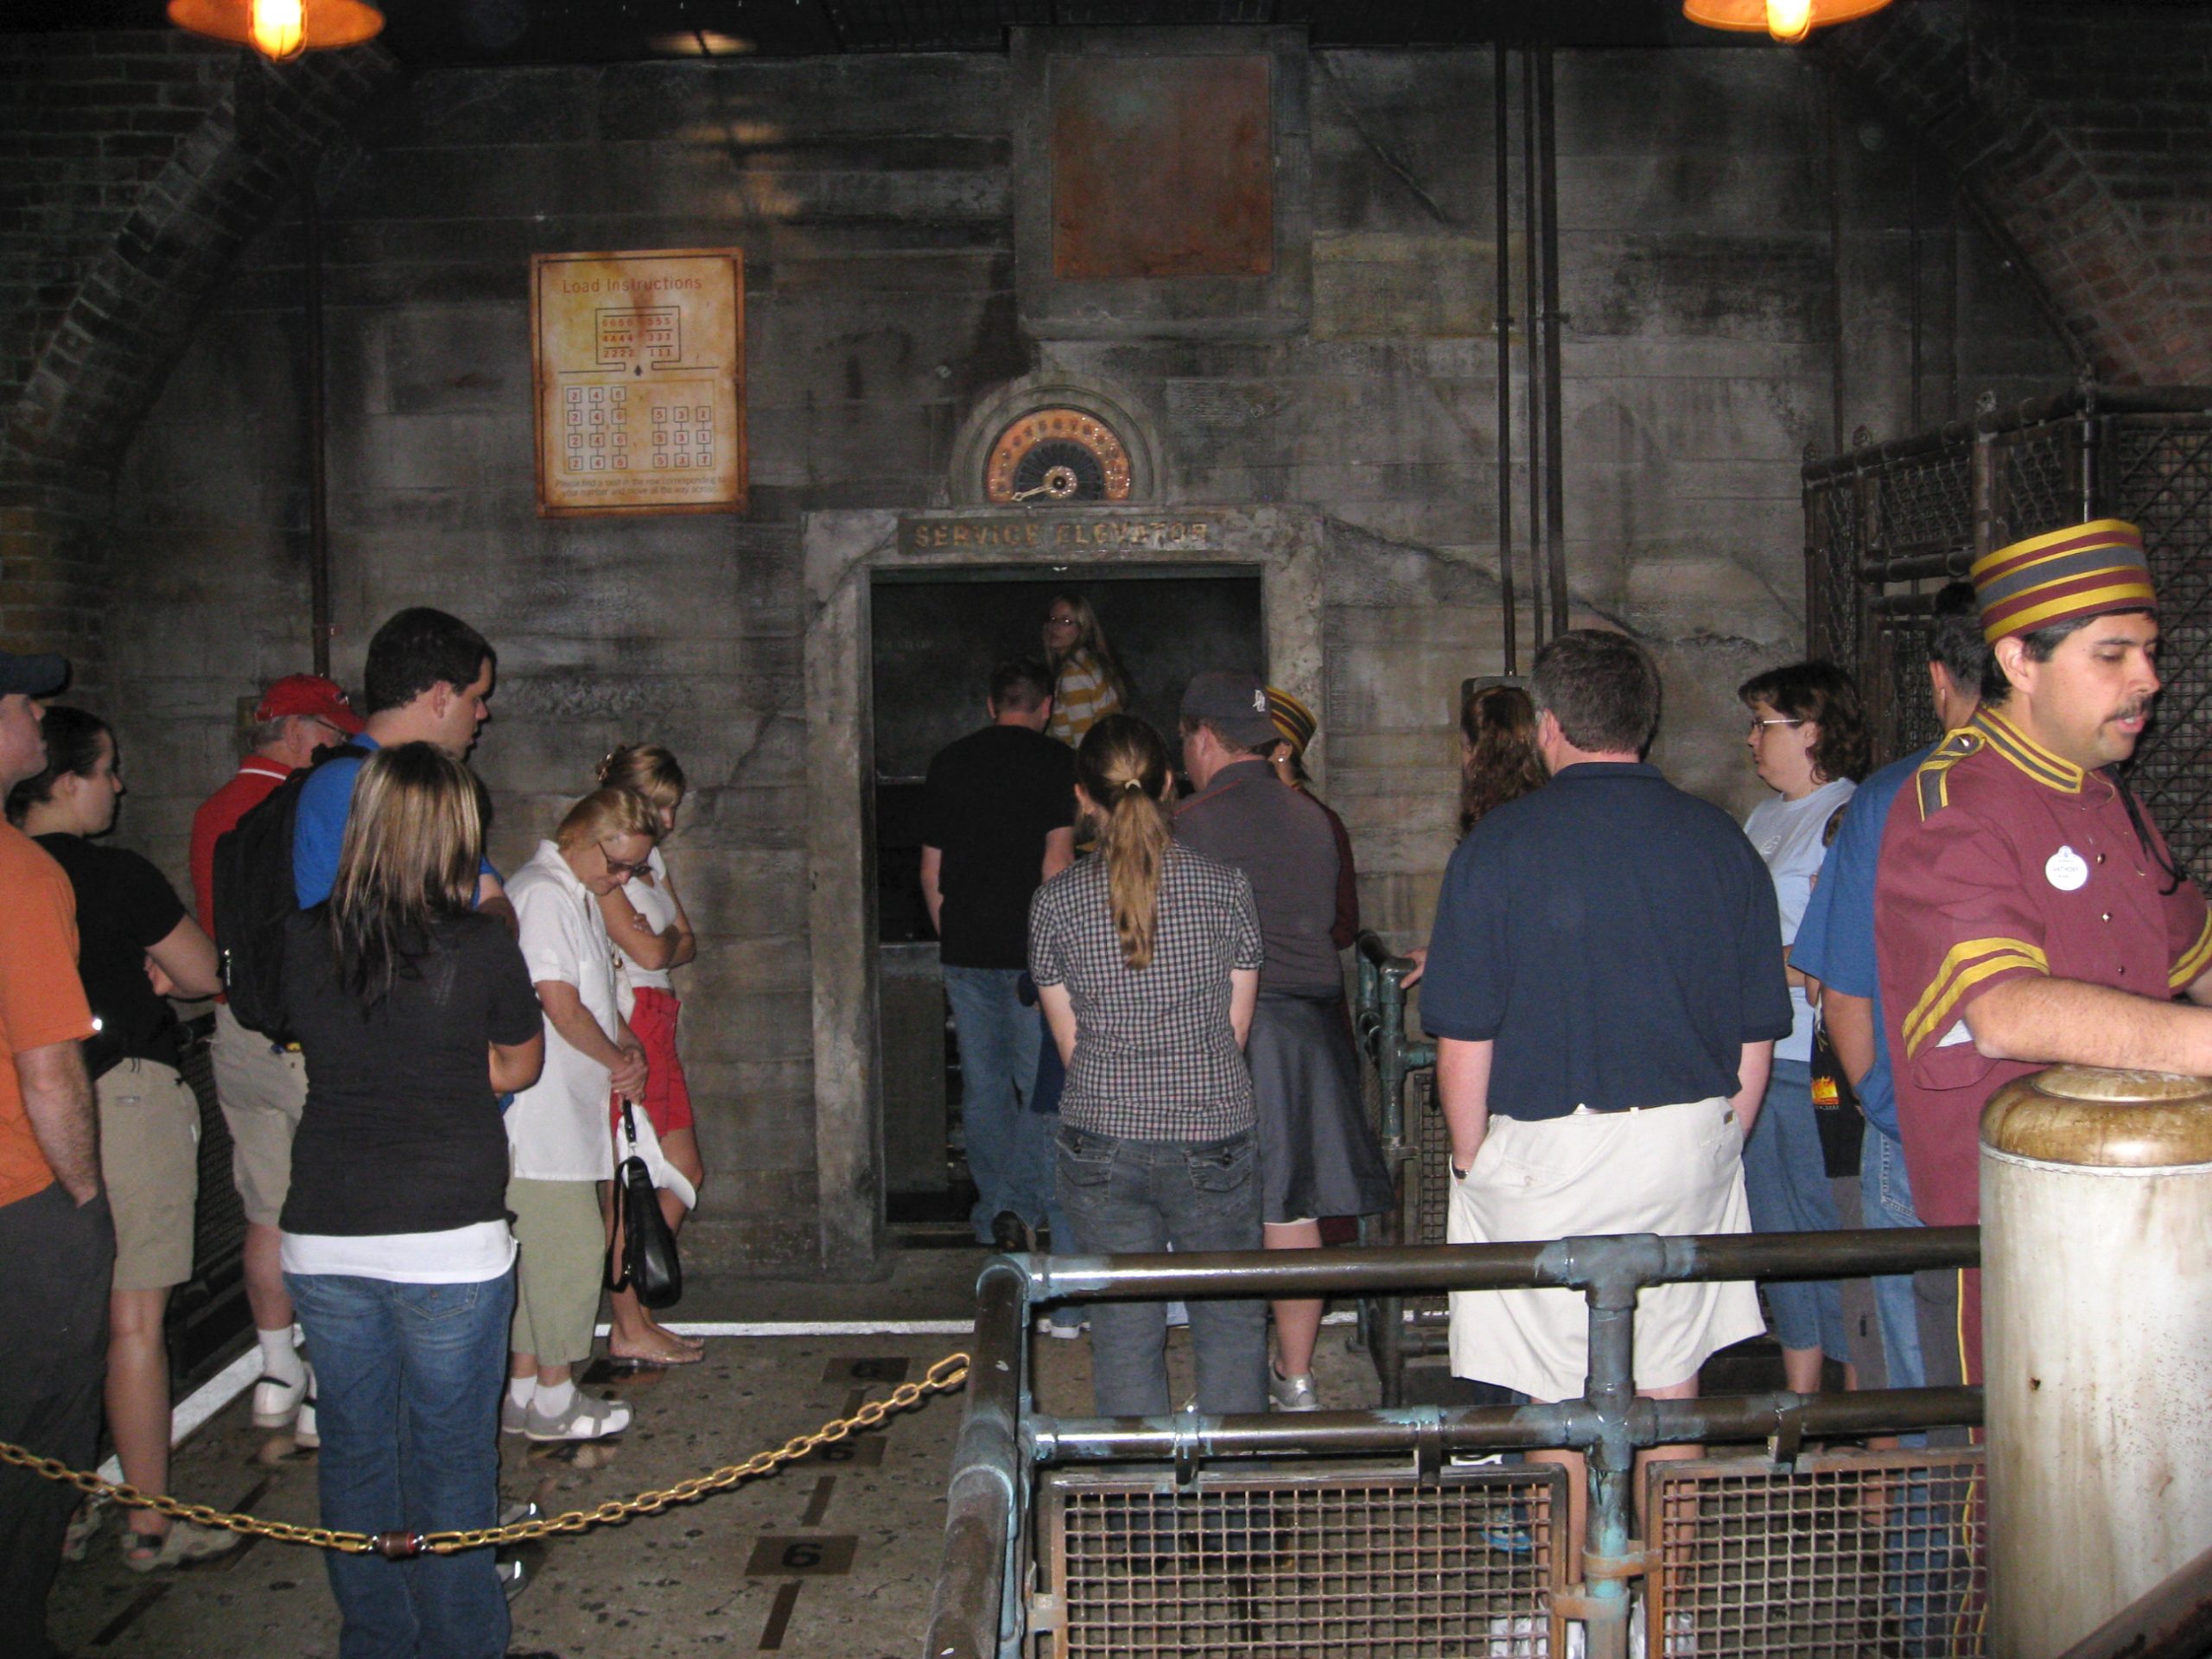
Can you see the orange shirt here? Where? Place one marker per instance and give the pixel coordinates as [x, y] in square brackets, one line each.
[41, 1000]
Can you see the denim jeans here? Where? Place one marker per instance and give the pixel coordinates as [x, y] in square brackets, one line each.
[408, 1379]
[1786, 1178]
[1885, 1197]
[1124, 1196]
[1008, 1151]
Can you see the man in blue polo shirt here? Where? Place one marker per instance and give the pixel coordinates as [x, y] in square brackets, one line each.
[1835, 946]
[428, 679]
[1605, 987]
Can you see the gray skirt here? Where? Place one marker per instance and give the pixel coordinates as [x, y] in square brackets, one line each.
[1318, 1156]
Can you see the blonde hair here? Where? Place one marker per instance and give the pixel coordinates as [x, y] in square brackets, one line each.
[414, 838]
[648, 769]
[1089, 638]
[1123, 766]
[604, 814]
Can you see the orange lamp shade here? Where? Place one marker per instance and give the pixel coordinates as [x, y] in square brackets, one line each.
[1786, 20]
[280, 28]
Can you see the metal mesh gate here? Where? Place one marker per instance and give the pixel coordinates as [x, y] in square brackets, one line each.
[1356, 1562]
[1853, 1554]
[1886, 526]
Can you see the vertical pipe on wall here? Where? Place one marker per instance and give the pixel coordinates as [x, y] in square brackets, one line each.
[318, 482]
[1501, 139]
[1835, 265]
[1531, 290]
[1554, 445]
[1912, 267]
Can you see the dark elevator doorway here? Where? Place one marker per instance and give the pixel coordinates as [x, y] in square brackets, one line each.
[935, 637]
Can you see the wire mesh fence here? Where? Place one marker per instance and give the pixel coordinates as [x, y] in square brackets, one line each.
[1839, 1556]
[1356, 1562]
[1887, 525]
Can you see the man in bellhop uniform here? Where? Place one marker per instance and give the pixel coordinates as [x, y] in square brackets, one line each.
[2029, 913]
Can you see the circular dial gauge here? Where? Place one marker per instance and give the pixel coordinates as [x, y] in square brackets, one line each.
[1057, 455]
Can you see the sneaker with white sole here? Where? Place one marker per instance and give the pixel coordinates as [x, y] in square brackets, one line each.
[276, 1401]
[585, 1418]
[1293, 1393]
[512, 1416]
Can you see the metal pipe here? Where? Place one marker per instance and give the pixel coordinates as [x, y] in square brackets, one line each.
[1568, 1264]
[318, 435]
[1917, 567]
[976, 1607]
[1501, 140]
[1610, 1522]
[1721, 1419]
[1531, 289]
[2032, 411]
[1554, 420]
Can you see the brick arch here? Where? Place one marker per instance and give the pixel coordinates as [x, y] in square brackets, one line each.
[2055, 128]
[90, 358]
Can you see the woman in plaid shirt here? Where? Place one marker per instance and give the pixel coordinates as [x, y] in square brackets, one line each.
[1146, 958]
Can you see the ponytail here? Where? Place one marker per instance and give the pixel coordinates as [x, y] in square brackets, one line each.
[1123, 766]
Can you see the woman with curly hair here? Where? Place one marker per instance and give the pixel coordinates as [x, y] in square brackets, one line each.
[1497, 751]
[1808, 744]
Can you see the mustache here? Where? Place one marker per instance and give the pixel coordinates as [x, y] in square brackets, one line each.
[2135, 710]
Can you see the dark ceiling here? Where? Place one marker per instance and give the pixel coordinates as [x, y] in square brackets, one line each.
[605, 31]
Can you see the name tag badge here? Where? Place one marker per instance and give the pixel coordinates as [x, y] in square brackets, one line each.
[2066, 870]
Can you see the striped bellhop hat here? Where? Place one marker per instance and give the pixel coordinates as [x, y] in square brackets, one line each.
[2083, 570]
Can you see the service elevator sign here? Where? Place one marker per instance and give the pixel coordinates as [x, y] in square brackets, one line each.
[639, 374]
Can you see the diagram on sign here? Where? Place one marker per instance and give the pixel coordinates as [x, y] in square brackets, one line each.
[639, 390]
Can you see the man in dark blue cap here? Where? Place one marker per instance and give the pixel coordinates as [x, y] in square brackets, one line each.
[55, 1234]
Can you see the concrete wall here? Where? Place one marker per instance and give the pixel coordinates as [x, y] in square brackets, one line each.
[1718, 218]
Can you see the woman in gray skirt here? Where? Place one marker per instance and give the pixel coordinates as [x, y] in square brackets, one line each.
[1147, 959]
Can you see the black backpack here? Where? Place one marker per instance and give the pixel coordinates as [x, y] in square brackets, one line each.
[254, 898]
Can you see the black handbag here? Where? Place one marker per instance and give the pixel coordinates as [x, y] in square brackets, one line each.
[647, 1261]
[1835, 1108]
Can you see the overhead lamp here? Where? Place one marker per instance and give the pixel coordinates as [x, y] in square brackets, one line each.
[1789, 20]
[280, 29]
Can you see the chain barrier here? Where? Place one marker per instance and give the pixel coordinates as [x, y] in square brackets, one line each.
[943, 1377]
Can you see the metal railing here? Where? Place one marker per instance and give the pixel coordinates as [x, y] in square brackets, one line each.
[988, 1601]
[1394, 1057]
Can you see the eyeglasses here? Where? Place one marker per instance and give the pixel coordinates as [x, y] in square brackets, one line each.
[616, 867]
[1757, 723]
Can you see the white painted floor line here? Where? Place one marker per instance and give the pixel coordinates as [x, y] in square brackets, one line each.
[241, 1373]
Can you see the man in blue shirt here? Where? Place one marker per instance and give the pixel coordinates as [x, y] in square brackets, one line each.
[1835, 946]
[428, 680]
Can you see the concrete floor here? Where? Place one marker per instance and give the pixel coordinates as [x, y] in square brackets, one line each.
[720, 1576]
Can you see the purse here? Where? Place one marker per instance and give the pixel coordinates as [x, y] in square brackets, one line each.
[1836, 1111]
[648, 1262]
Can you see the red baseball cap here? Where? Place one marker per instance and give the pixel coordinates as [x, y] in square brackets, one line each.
[312, 695]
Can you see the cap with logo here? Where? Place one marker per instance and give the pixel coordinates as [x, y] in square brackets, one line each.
[312, 695]
[2084, 570]
[32, 677]
[1235, 704]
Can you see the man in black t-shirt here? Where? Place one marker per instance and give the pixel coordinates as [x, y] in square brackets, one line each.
[997, 822]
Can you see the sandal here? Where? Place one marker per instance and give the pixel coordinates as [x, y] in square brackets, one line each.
[679, 1355]
[183, 1544]
[84, 1527]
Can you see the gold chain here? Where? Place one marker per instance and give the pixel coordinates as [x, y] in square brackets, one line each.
[947, 1375]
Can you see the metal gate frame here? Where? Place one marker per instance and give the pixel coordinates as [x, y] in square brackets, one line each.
[1887, 524]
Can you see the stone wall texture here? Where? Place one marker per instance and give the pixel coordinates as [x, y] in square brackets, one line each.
[1757, 256]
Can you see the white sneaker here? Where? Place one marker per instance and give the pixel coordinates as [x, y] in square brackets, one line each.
[276, 1401]
[1526, 1636]
[1293, 1393]
[585, 1418]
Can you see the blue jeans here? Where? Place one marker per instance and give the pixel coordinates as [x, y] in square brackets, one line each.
[1008, 1150]
[1886, 1196]
[408, 1379]
[1786, 1178]
[1126, 1197]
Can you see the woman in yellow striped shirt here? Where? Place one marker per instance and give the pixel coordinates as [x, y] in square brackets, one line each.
[1088, 684]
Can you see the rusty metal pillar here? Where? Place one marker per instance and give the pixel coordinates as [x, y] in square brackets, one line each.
[2096, 1215]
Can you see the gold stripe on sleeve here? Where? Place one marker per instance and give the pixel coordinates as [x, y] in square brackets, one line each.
[1964, 966]
[2194, 961]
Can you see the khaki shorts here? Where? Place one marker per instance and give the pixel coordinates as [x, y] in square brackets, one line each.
[263, 1089]
[149, 1162]
[1663, 1169]
[561, 1269]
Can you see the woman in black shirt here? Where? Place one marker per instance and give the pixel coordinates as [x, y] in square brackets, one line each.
[396, 1247]
[135, 943]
